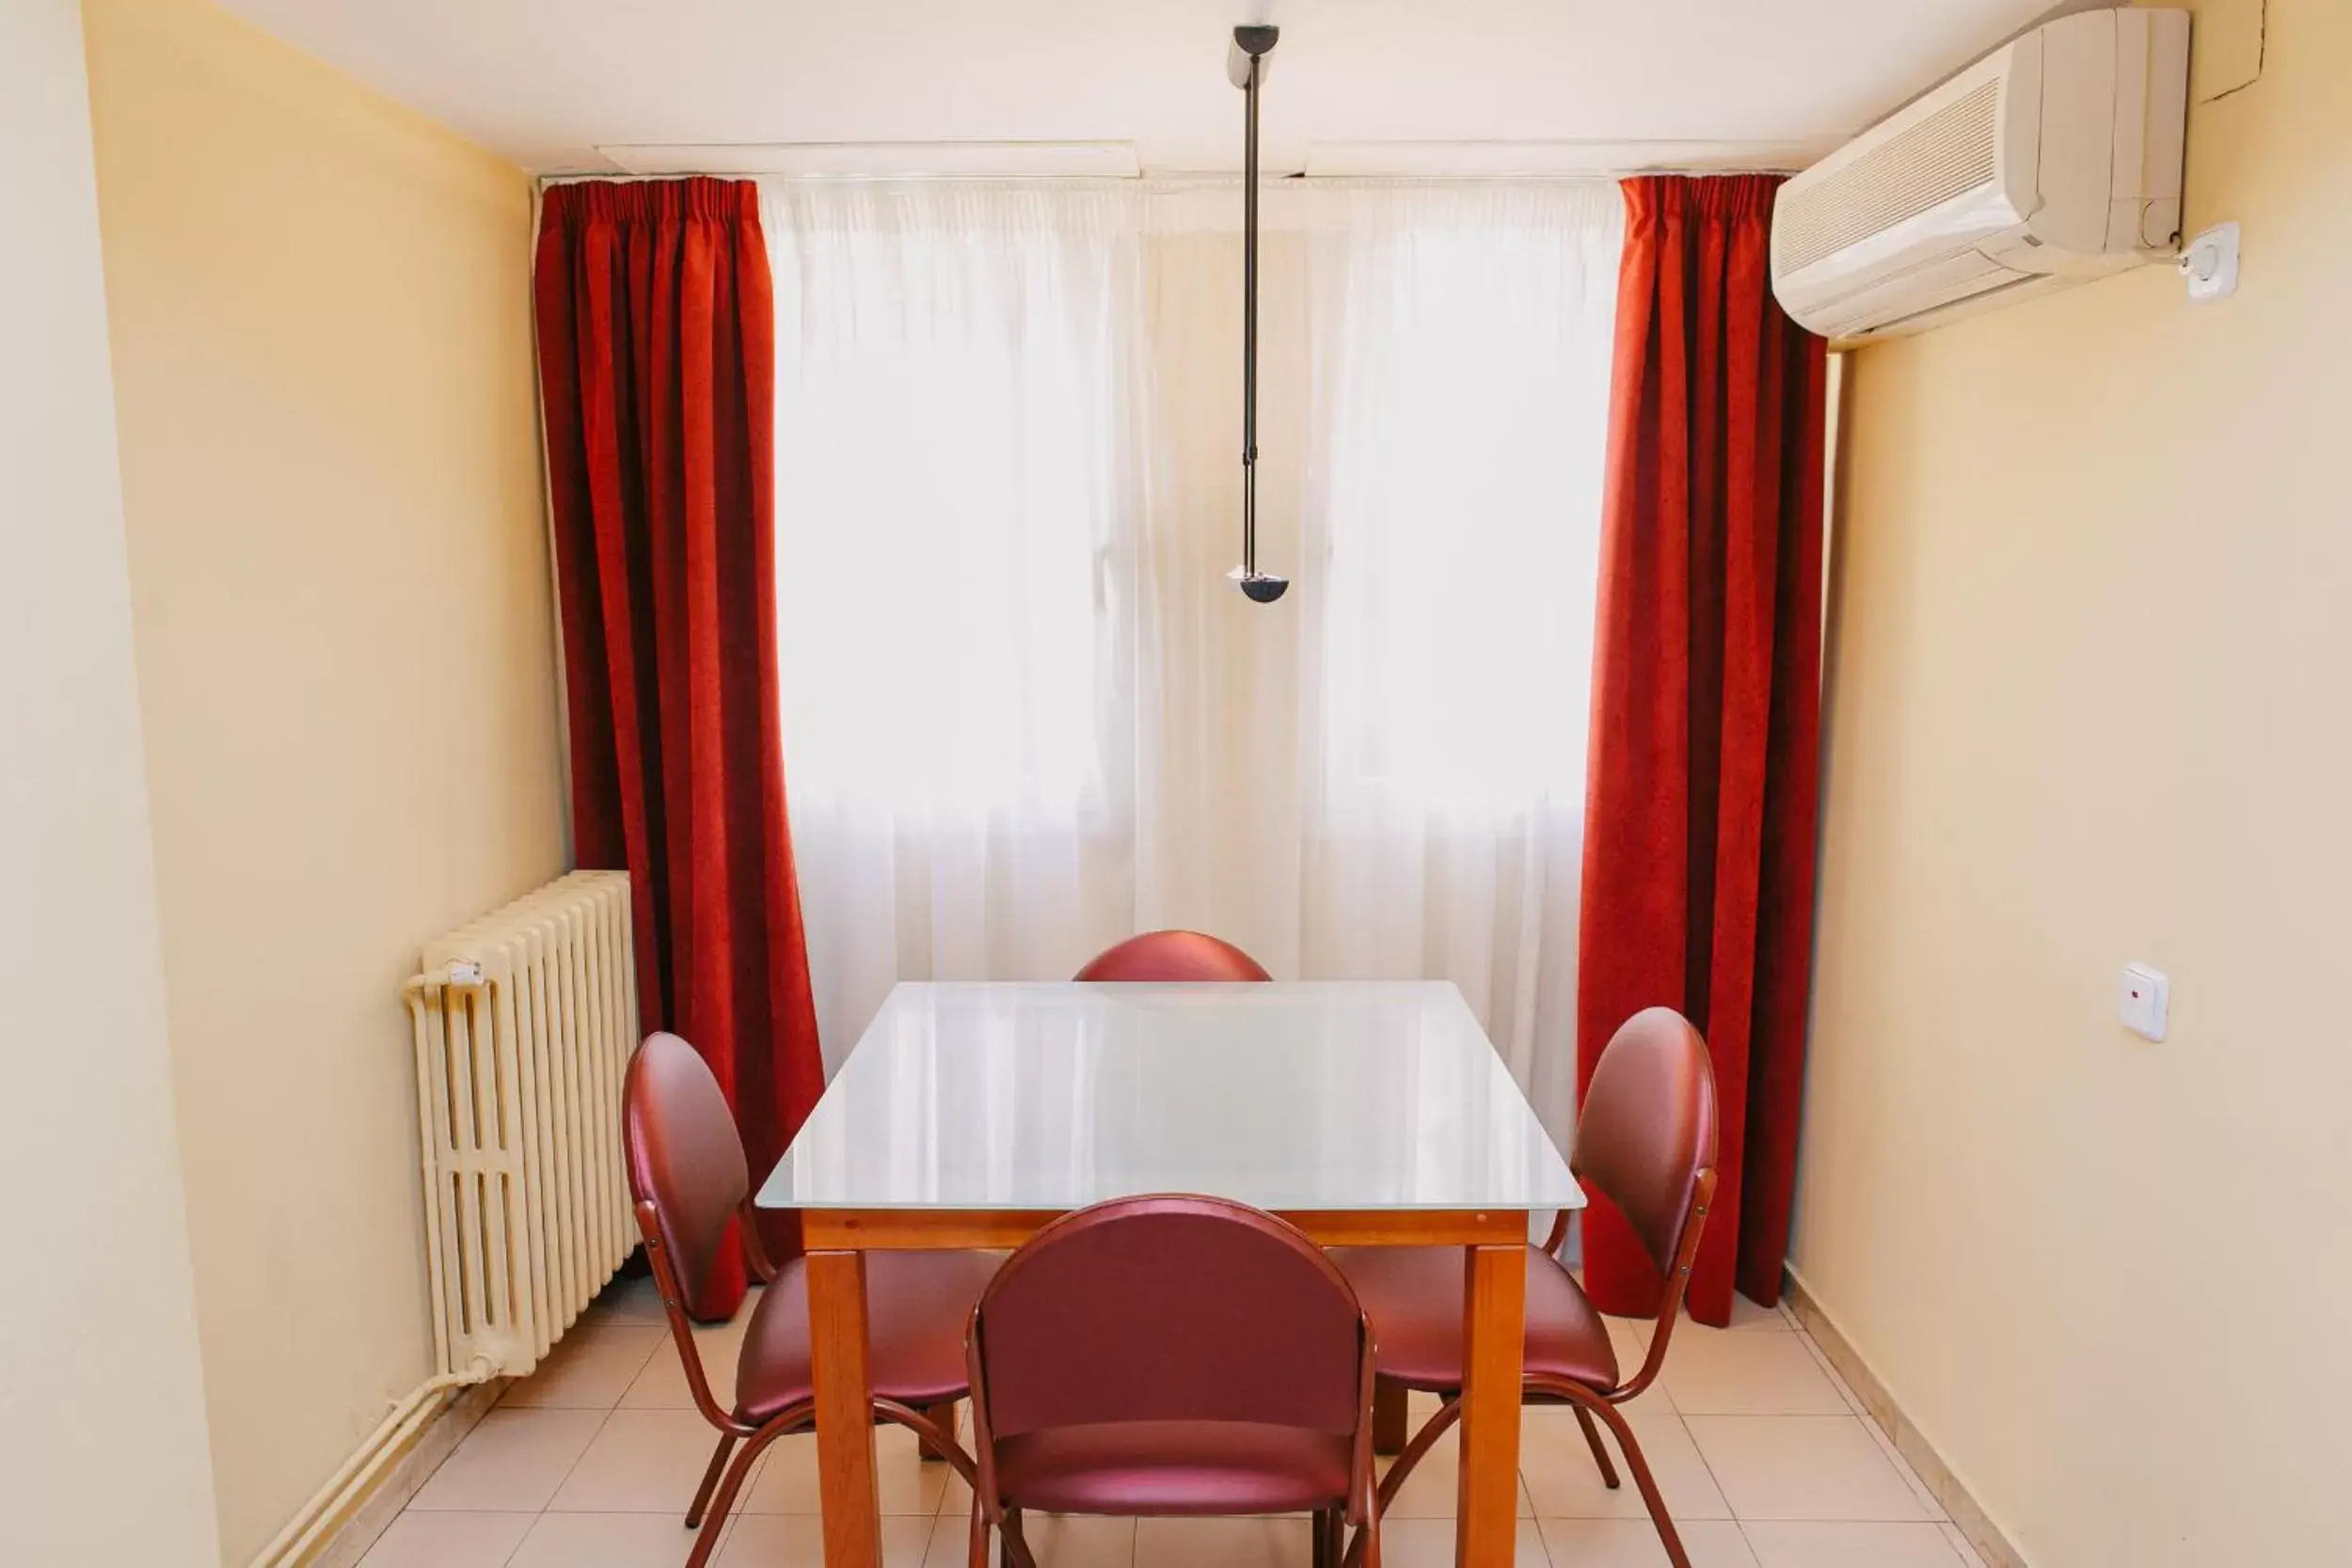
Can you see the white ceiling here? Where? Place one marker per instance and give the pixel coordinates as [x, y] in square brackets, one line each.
[546, 82]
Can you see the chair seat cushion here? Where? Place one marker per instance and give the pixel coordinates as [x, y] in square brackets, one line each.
[1173, 1467]
[1414, 1297]
[916, 1306]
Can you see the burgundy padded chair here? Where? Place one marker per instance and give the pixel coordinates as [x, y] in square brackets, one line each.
[1646, 1141]
[1172, 1355]
[1173, 955]
[688, 1176]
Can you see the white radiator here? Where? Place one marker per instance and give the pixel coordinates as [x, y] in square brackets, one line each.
[524, 1023]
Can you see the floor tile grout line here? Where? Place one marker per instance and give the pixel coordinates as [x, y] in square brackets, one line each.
[1755, 1553]
[1903, 1473]
[1937, 1520]
[516, 1551]
[1541, 1545]
[1910, 1478]
[1903, 1468]
[1962, 1546]
[1857, 1524]
[586, 1331]
[930, 1539]
[1838, 1381]
[549, 1506]
[1708, 1465]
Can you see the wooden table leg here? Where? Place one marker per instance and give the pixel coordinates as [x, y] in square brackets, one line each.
[845, 1424]
[1392, 1419]
[1487, 1510]
[943, 1417]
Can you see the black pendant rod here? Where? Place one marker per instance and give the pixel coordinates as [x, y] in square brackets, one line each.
[1249, 328]
[1251, 43]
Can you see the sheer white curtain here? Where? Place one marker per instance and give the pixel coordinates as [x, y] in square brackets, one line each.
[1461, 342]
[958, 483]
[1025, 715]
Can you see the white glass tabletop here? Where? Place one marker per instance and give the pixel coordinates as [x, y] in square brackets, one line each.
[1303, 1098]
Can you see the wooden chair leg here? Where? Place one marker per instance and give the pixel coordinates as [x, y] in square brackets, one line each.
[1600, 1453]
[711, 1479]
[1329, 1531]
[1642, 1480]
[943, 1415]
[977, 1556]
[1390, 1423]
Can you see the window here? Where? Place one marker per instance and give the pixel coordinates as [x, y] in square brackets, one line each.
[947, 493]
[1463, 343]
[1023, 713]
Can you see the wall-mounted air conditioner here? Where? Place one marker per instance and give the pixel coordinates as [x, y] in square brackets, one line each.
[2053, 161]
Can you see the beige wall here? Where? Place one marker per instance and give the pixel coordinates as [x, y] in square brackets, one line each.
[339, 590]
[2092, 702]
[102, 1400]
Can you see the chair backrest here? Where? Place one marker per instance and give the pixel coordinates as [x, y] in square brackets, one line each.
[1173, 955]
[684, 1155]
[1646, 1134]
[1168, 1309]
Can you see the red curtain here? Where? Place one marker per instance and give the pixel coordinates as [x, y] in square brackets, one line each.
[657, 356]
[1698, 869]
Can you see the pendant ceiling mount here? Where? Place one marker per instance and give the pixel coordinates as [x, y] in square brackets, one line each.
[1246, 67]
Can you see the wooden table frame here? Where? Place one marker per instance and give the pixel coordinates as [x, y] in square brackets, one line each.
[1494, 1244]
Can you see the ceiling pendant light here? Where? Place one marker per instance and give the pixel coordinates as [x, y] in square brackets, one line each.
[1245, 66]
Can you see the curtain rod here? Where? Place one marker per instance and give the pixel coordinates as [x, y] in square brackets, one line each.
[1182, 180]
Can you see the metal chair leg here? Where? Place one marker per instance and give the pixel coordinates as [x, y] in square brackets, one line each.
[710, 1479]
[1642, 1480]
[1435, 1428]
[1591, 1441]
[714, 1521]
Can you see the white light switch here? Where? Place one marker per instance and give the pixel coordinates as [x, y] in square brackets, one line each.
[2143, 999]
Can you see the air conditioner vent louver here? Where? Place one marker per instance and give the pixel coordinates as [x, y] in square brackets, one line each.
[1947, 154]
[2052, 160]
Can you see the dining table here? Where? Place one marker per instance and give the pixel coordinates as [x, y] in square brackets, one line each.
[1365, 1113]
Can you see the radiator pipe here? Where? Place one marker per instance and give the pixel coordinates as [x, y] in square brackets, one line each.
[390, 1438]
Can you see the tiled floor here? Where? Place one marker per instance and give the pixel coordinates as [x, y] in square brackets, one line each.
[1763, 1455]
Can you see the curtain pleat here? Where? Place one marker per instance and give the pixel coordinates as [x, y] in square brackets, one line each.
[1700, 815]
[657, 368]
[960, 402]
[1450, 525]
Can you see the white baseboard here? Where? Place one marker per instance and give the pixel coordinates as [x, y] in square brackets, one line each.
[1966, 1512]
[405, 1478]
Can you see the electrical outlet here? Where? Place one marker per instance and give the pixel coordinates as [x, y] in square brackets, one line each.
[2210, 263]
